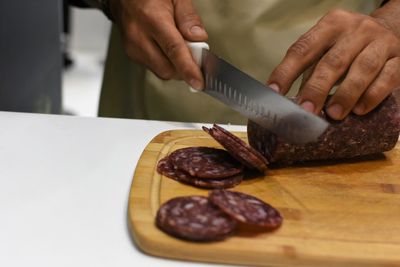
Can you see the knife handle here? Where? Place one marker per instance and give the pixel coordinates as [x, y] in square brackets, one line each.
[196, 48]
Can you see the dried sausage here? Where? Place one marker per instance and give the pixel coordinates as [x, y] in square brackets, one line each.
[238, 148]
[194, 218]
[246, 209]
[354, 136]
[165, 168]
[205, 162]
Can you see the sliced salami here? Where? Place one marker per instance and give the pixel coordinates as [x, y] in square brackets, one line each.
[205, 162]
[165, 168]
[194, 218]
[246, 209]
[354, 136]
[238, 148]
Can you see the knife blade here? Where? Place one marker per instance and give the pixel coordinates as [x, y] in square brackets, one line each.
[257, 101]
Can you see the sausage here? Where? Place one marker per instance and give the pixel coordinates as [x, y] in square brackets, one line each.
[166, 168]
[354, 136]
[246, 209]
[205, 162]
[194, 218]
[238, 148]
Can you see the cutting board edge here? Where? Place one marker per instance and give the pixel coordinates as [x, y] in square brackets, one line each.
[246, 258]
[145, 242]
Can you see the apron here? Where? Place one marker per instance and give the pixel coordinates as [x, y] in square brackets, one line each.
[253, 35]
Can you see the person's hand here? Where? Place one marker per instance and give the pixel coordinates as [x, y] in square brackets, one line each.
[154, 34]
[343, 45]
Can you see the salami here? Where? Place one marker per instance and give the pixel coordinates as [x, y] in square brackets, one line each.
[355, 136]
[205, 162]
[194, 218]
[246, 209]
[165, 167]
[238, 148]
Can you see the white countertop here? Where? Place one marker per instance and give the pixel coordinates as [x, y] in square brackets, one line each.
[64, 187]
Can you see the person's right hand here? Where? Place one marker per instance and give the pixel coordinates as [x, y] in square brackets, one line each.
[154, 34]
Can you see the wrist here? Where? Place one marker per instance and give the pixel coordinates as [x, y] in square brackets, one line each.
[389, 16]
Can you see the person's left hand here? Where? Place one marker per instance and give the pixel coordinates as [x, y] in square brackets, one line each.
[352, 46]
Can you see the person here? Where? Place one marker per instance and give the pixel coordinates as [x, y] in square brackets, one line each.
[335, 42]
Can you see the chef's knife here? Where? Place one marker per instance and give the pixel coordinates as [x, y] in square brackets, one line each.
[255, 100]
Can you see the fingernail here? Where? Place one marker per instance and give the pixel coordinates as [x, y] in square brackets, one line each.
[196, 30]
[335, 111]
[275, 87]
[359, 109]
[196, 84]
[308, 105]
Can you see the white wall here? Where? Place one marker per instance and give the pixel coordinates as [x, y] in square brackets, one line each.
[88, 46]
[90, 30]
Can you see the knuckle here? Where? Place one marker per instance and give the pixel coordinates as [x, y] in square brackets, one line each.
[302, 47]
[352, 86]
[130, 32]
[334, 60]
[315, 90]
[394, 43]
[281, 73]
[367, 24]
[346, 100]
[391, 70]
[335, 14]
[371, 96]
[321, 74]
[347, 97]
[368, 64]
[152, 22]
[147, 11]
[388, 77]
[172, 49]
[149, 16]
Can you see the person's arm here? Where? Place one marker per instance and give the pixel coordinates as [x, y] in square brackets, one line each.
[362, 50]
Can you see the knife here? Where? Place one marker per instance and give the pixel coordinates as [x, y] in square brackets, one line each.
[255, 100]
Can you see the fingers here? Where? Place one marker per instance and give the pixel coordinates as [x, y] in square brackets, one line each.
[174, 47]
[157, 62]
[189, 22]
[362, 73]
[331, 67]
[163, 30]
[307, 49]
[384, 84]
[151, 37]
[346, 46]
[148, 53]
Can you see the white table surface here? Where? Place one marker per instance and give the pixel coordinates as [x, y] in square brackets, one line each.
[64, 187]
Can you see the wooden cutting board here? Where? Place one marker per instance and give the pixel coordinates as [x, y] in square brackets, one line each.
[335, 214]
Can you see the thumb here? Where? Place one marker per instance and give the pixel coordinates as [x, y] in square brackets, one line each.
[189, 22]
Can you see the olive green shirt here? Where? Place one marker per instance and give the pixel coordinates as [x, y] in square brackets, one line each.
[252, 35]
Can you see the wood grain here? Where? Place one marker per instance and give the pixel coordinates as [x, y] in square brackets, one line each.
[335, 214]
